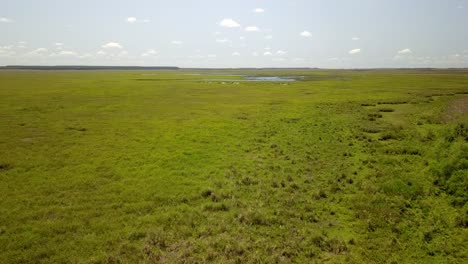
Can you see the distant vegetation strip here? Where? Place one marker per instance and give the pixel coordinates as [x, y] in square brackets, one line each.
[83, 67]
[25, 67]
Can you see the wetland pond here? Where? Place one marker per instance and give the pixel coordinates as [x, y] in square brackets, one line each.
[257, 79]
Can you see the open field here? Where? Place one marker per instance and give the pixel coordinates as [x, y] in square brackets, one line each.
[169, 167]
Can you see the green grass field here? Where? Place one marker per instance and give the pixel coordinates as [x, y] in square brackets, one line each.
[169, 167]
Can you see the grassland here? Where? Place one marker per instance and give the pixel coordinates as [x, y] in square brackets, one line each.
[166, 167]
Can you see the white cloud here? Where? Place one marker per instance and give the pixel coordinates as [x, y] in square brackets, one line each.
[150, 52]
[280, 53]
[354, 51]
[6, 54]
[252, 29]
[223, 40]
[306, 34]
[112, 45]
[267, 53]
[58, 45]
[6, 20]
[355, 38]
[211, 56]
[22, 44]
[68, 53]
[278, 59]
[241, 38]
[236, 54]
[101, 52]
[123, 53]
[460, 7]
[259, 10]
[133, 20]
[196, 56]
[85, 56]
[405, 51]
[267, 48]
[177, 42]
[255, 54]
[229, 23]
[38, 52]
[427, 61]
[268, 37]
[6, 51]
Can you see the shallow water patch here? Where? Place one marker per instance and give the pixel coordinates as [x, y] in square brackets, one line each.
[269, 79]
[255, 79]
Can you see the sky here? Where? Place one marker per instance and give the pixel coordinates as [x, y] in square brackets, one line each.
[235, 33]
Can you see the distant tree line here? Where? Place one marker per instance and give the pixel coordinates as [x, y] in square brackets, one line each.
[26, 67]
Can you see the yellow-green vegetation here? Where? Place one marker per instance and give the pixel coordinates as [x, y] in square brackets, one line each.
[168, 166]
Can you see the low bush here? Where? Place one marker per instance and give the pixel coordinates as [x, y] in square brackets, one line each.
[388, 110]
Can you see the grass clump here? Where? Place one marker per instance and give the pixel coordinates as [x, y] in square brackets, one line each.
[217, 207]
[371, 130]
[333, 245]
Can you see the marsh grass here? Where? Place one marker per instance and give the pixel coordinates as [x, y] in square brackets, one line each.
[110, 167]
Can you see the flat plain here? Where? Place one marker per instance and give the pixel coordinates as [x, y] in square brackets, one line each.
[340, 166]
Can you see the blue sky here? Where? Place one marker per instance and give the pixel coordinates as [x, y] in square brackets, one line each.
[242, 33]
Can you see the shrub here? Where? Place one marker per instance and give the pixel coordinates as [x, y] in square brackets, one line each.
[457, 186]
[393, 102]
[388, 110]
[403, 151]
[450, 175]
[320, 194]
[462, 220]
[461, 130]
[371, 130]
[388, 136]
[430, 136]
[375, 115]
[207, 193]
[5, 166]
[399, 187]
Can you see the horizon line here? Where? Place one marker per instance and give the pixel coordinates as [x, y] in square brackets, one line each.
[136, 67]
